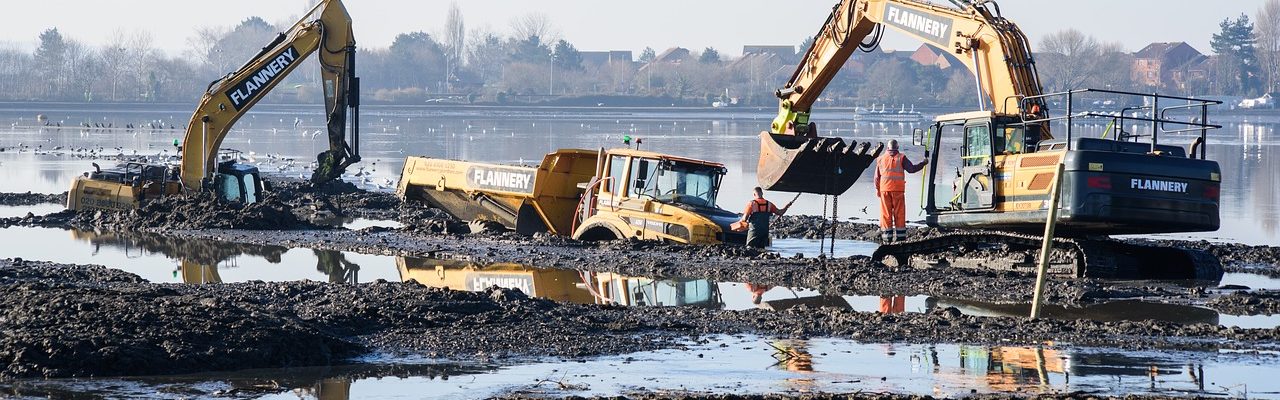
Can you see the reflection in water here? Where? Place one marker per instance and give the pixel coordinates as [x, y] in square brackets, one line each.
[893, 304]
[199, 261]
[751, 364]
[582, 287]
[1114, 311]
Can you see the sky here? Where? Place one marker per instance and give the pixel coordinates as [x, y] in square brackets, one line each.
[726, 25]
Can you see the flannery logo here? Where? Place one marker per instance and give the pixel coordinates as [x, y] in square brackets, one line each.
[251, 87]
[505, 179]
[934, 28]
[1159, 186]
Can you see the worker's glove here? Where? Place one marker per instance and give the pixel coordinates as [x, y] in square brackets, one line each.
[926, 155]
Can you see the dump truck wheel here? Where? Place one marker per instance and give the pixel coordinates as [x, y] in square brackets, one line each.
[597, 233]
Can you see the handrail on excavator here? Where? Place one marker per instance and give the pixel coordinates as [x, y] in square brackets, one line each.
[1157, 116]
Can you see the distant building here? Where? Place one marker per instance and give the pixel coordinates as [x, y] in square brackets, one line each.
[595, 58]
[786, 54]
[672, 56]
[927, 56]
[1168, 65]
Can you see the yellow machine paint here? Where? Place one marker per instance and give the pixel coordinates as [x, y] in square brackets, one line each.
[325, 31]
[586, 194]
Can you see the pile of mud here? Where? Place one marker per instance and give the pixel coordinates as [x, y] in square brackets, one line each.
[31, 199]
[66, 320]
[201, 211]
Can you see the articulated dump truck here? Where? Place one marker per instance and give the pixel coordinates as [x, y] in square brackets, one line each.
[585, 194]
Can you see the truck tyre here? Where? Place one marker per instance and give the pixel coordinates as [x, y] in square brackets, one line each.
[597, 232]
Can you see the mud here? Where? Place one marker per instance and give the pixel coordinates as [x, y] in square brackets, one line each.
[814, 227]
[1235, 257]
[1248, 303]
[61, 219]
[30, 199]
[69, 320]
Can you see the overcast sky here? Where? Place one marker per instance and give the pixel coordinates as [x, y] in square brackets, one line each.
[602, 25]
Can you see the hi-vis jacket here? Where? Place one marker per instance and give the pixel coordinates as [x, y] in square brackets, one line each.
[891, 172]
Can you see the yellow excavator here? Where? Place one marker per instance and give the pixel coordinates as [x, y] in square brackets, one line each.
[324, 30]
[1004, 157]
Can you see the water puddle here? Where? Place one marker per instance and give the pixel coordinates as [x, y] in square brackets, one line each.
[744, 365]
[169, 260]
[37, 209]
[812, 248]
[356, 224]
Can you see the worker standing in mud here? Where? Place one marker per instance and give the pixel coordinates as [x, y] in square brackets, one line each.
[891, 187]
[757, 215]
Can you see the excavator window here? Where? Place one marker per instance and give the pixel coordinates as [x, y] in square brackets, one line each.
[229, 187]
[977, 148]
[250, 189]
[1012, 140]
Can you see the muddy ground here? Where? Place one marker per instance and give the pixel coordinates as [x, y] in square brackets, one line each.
[307, 214]
[29, 199]
[71, 320]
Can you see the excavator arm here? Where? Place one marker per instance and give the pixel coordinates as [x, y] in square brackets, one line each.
[794, 158]
[325, 30]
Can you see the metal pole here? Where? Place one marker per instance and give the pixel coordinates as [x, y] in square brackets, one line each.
[1155, 116]
[1069, 116]
[977, 80]
[1204, 130]
[1052, 222]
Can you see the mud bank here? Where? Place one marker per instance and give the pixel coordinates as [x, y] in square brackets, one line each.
[1248, 303]
[842, 276]
[70, 320]
[30, 199]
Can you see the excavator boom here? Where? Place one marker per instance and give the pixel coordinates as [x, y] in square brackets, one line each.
[325, 30]
[794, 158]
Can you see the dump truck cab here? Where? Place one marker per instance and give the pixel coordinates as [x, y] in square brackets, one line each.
[649, 195]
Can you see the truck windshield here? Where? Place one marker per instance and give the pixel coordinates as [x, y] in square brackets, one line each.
[691, 184]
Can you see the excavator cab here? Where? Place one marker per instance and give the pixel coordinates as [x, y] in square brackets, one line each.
[237, 182]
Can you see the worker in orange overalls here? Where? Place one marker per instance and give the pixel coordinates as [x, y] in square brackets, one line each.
[891, 187]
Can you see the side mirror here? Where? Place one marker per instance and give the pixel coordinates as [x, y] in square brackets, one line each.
[917, 137]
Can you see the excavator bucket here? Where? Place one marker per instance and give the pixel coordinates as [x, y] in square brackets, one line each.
[790, 163]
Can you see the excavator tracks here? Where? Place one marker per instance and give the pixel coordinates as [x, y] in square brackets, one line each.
[1069, 257]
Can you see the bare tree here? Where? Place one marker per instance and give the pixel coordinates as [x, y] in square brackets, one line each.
[1267, 32]
[115, 59]
[1069, 59]
[455, 35]
[201, 44]
[534, 25]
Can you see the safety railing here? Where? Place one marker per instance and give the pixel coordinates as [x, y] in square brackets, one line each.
[1151, 112]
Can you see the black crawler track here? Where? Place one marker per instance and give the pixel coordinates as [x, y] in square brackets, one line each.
[1069, 258]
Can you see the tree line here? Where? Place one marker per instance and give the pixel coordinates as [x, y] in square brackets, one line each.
[532, 63]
